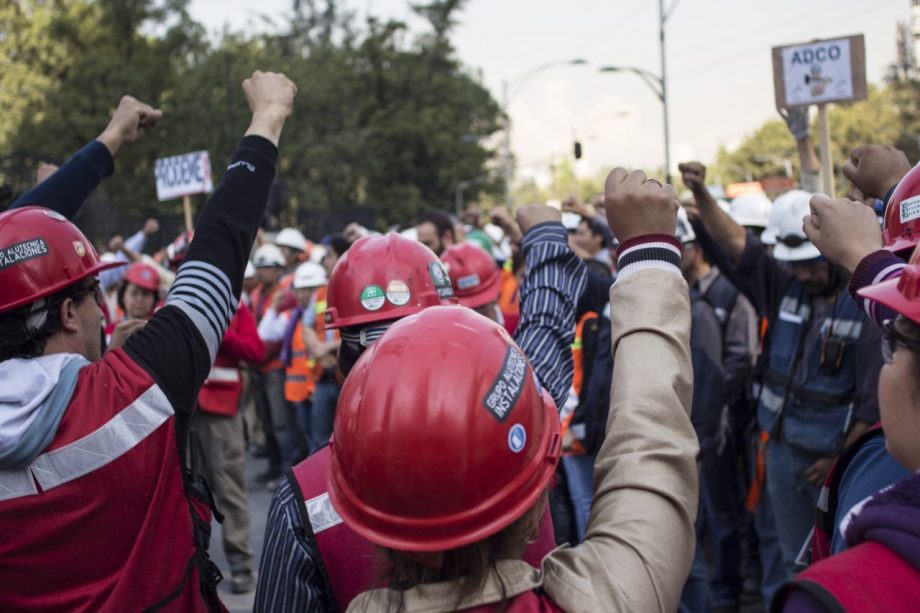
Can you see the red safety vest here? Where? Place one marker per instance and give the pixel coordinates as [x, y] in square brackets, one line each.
[866, 578]
[221, 391]
[350, 559]
[102, 520]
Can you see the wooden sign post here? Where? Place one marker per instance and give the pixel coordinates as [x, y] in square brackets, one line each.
[821, 72]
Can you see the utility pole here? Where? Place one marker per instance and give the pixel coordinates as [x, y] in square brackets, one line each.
[664, 92]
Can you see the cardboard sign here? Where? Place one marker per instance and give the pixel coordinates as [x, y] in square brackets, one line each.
[182, 175]
[819, 72]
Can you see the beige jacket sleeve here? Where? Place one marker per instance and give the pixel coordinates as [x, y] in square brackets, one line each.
[640, 537]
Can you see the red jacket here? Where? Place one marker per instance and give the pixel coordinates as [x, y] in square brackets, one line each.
[220, 393]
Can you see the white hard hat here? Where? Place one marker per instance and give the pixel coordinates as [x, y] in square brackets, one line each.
[495, 233]
[250, 271]
[570, 220]
[268, 255]
[309, 275]
[685, 233]
[791, 243]
[411, 233]
[293, 238]
[317, 253]
[751, 210]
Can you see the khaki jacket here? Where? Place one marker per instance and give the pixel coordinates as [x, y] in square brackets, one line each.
[640, 538]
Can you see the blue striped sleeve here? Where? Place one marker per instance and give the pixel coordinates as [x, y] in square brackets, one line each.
[289, 578]
[554, 279]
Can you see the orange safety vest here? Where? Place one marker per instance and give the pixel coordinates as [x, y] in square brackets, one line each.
[578, 376]
[298, 377]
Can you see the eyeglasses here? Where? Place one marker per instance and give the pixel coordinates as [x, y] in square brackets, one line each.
[891, 338]
[95, 288]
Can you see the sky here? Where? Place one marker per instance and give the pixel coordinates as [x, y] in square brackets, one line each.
[719, 66]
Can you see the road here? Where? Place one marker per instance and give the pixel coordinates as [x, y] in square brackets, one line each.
[260, 499]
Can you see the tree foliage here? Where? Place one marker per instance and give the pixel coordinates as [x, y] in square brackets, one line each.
[382, 120]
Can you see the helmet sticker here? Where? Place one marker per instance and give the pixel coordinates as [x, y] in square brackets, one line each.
[441, 280]
[20, 252]
[507, 387]
[398, 292]
[468, 282]
[517, 438]
[372, 297]
[79, 249]
[910, 209]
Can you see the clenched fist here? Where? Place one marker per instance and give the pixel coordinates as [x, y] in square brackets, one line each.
[131, 120]
[874, 169]
[636, 205]
[693, 175]
[270, 96]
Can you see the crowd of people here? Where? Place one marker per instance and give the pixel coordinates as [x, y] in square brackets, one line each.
[651, 401]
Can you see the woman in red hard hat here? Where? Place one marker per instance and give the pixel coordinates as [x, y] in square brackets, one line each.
[880, 571]
[446, 471]
[137, 297]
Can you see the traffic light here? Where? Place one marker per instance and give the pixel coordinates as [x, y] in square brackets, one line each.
[577, 150]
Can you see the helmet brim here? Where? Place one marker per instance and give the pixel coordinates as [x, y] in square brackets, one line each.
[805, 251]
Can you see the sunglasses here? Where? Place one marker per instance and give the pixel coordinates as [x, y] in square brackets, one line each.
[96, 290]
[891, 338]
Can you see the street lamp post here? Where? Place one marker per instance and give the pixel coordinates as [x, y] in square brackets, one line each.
[506, 120]
[659, 85]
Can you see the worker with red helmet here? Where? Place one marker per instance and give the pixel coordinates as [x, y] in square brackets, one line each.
[310, 563]
[447, 472]
[91, 444]
[475, 278]
[880, 570]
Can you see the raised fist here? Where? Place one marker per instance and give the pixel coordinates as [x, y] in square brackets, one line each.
[693, 175]
[636, 205]
[535, 214]
[270, 94]
[874, 169]
[131, 120]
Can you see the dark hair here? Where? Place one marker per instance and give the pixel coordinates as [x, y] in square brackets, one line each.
[470, 565]
[439, 219]
[339, 244]
[599, 228]
[18, 341]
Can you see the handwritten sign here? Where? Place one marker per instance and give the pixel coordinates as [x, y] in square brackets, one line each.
[183, 175]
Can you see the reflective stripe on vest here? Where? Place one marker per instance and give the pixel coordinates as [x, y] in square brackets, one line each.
[113, 439]
[223, 374]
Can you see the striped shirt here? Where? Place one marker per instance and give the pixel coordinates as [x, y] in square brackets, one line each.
[881, 265]
[554, 279]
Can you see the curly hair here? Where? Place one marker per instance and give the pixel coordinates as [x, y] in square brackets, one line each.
[19, 340]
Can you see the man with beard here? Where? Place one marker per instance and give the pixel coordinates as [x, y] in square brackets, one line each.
[819, 392]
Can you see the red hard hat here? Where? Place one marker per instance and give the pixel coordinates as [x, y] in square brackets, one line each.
[901, 294]
[381, 278]
[42, 253]
[473, 274]
[144, 276]
[443, 437]
[901, 230]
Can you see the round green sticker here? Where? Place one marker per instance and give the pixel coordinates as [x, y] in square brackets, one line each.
[372, 297]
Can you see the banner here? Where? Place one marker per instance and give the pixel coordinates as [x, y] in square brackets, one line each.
[182, 175]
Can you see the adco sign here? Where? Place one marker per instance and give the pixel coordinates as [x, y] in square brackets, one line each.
[821, 71]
